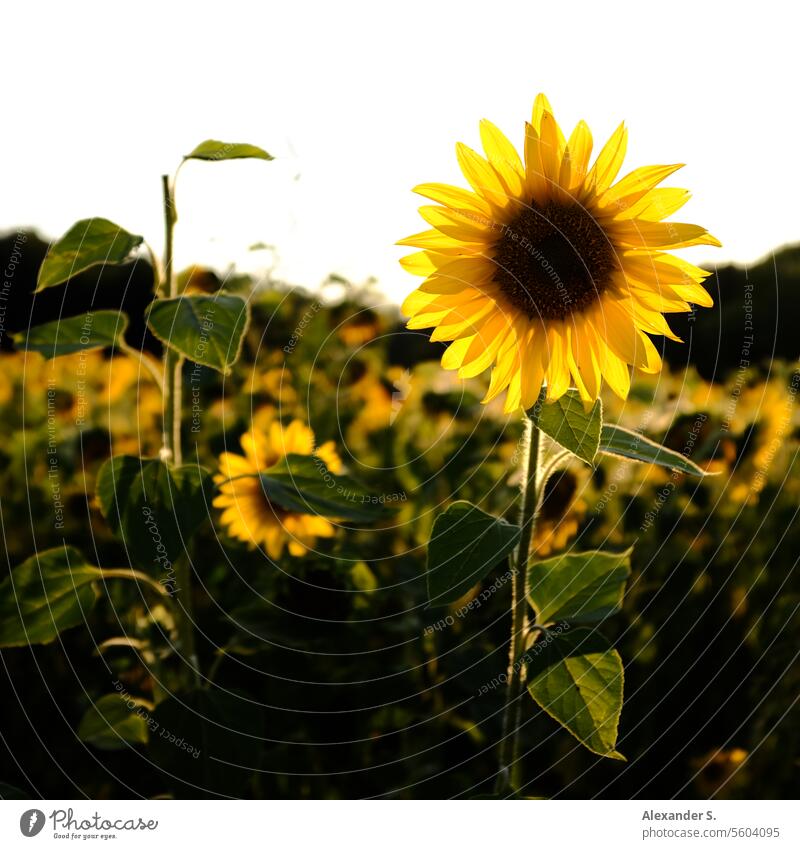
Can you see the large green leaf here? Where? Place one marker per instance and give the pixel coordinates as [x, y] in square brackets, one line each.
[44, 595]
[466, 543]
[101, 329]
[154, 508]
[90, 242]
[302, 484]
[216, 151]
[570, 424]
[581, 587]
[114, 722]
[577, 678]
[209, 330]
[632, 445]
[209, 740]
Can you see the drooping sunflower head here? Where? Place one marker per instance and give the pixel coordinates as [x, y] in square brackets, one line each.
[247, 513]
[547, 270]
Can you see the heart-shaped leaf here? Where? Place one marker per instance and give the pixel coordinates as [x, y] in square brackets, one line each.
[583, 587]
[46, 594]
[570, 424]
[90, 242]
[577, 678]
[465, 545]
[632, 445]
[101, 329]
[216, 151]
[208, 330]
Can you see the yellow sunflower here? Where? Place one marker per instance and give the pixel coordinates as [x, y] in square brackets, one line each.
[247, 513]
[546, 270]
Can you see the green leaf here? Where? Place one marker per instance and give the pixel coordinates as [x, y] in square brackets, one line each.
[215, 151]
[209, 740]
[577, 678]
[90, 242]
[632, 445]
[154, 508]
[466, 544]
[303, 484]
[572, 426]
[114, 722]
[581, 587]
[208, 330]
[49, 592]
[101, 329]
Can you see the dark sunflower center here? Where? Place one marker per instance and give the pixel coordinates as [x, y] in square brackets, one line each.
[553, 261]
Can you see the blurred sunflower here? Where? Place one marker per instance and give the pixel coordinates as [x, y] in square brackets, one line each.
[247, 513]
[359, 329]
[561, 513]
[548, 271]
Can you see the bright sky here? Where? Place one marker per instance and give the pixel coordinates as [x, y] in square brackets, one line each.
[360, 102]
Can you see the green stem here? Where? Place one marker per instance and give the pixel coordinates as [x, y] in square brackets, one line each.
[168, 283]
[508, 755]
[172, 360]
[139, 577]
[185, 617]
[171, 452]
[144, 360]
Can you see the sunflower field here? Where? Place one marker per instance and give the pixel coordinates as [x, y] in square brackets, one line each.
[270, 542]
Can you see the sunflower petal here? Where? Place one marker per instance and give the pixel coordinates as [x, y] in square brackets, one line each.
[534, 175]
[541, 105]
[458, 223]
[482, 177]
[555, 355]
[453, 197]
[660, 234]
[575, 163]
[503, 157]
[608, 162]
[551, 152]
[634, 186]
[583, 362]
[434, 241]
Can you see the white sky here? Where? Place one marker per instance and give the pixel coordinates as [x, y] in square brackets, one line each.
[361, 102]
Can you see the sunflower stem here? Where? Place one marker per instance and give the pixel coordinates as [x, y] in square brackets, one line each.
[507, 776]
[171, 451]
[169, 290]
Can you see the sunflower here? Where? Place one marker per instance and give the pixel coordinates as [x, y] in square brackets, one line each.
[247, 513]
[547, 271]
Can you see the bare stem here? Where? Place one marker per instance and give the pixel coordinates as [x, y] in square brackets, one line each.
[151, 368]
[171, 452]
[519, 617]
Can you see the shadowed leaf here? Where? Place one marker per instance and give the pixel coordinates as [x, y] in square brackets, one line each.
[572, 426]
[581, 587]
[302, 484]
[90, 242]
[632, 445]
[466, 544]
[100, 329]
[154, 508]
[577, 678]
[46, 594]
[208, 330]
[113, 722]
